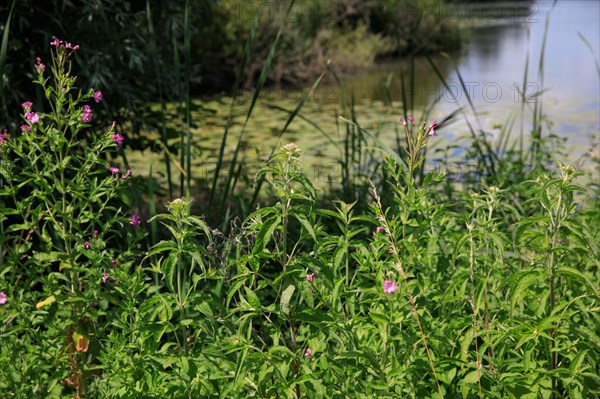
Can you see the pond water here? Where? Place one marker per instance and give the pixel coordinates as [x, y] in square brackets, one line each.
[491, 64]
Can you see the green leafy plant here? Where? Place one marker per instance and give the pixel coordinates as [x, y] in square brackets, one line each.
[440, 289]
[65, 232]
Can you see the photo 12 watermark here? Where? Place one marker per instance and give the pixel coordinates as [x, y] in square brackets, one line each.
[451, 92]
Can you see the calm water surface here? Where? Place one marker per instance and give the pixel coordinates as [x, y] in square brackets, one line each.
[492, 65]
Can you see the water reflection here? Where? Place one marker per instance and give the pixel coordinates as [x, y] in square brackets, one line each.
[492, 65]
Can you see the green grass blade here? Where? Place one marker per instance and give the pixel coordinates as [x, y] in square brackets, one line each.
[387, 89]
[412, 82]
[310, 122]
[238, 81]
[538, 109]
[260, 83]
[381, 144]
[524, 86]
[3, 51]
[466, 91]
[476, 141]
[341, 87]
[152, 208]
[403, 93]
[188, 105]
[591, 50]
[158, 73]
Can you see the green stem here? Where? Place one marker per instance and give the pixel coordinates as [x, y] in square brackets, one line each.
[296, 365]
[474, 307]
[555, 224]
[411, 298]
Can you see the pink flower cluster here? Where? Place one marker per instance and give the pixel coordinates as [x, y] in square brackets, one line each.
[115, 170]
[105, 276]
[30, 116]
[2, 298]
[63, 44]
[117, 138]
[86, 116]
[430, 130]
[410, 119]
[40, 67]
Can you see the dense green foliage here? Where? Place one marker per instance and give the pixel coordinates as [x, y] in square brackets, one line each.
[480, 287]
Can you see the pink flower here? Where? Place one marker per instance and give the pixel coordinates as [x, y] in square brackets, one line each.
[25, 128]
[104, 276]
[135, 220]
[2, 298]
[114, 262]
[63, 44]
[402, 121]
[3, 136]
[117, 138]
[86, 117]
[86, 245]
[96, 233]
[98, 96]
[389, 287]
[412, 120]
[432, 126]
[32, 117]
[27, 105]
[127, 174]
[114, 170]
[40, 67]
[308, 352]
[114, 124]
[378, 229]
[310, 277]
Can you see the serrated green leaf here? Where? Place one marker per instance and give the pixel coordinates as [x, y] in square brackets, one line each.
[471, 377]
[161, 247]
[577, 276]
[168, 268]
[280, 349]
[205, 309]
[252, 299]
[379, 317]
[265, 233]
[286, 297]
[306, 224]
[525, 281]
[234, 288]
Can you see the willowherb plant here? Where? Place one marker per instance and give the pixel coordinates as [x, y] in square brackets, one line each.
[64, 235]
[422, 297]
